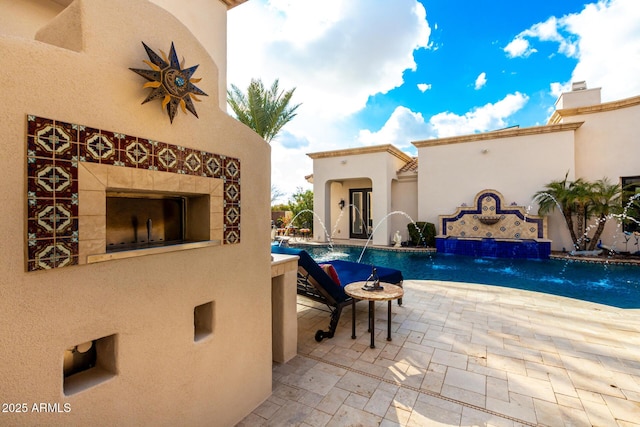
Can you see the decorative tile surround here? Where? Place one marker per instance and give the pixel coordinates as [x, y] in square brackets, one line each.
[487, 218]
[487, 229]
[55, 152]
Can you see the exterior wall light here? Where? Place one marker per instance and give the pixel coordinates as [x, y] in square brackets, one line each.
[341, 204]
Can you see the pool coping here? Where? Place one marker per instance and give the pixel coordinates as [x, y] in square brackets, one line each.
[563, 256]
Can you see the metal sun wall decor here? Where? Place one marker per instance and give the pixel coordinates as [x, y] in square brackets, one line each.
[170, 82]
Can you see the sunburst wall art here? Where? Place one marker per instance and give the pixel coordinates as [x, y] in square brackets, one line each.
[170, 82]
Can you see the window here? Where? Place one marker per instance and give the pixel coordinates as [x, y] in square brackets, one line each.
[631, 203]
[361, 214]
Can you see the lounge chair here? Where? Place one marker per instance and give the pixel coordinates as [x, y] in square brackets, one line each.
[314, 282]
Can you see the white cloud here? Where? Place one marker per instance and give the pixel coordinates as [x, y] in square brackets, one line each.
[556, 89]
[481, 80]
[608, 47]
[303, 21]
[547, 31]
[481, 119]
[604, 38]
[519, 47]
[336, 53]
[336, 60]
[402, 127]
[423, 87]
[288, 169]
[289, 140]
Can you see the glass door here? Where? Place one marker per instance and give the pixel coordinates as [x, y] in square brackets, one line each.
[360, 213]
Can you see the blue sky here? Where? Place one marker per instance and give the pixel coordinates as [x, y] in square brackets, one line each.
[371, 72]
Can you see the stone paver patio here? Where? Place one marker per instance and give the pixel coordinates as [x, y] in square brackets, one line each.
[463, 355]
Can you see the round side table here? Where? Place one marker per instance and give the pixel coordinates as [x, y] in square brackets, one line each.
[388, 293]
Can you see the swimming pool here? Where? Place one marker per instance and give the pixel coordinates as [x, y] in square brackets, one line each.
[614, 285]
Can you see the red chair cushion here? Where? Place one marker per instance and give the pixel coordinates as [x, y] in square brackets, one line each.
[331, 272]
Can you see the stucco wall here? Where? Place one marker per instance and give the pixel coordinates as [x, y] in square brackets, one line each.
[24, 18]
[207, 20]
[163, 377]
[452, 174]
[608, 144]
[404, 199]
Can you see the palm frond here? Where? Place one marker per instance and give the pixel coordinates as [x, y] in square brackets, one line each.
[264, 111]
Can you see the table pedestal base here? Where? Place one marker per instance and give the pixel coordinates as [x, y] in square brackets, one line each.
[357, 291]
[372, 317]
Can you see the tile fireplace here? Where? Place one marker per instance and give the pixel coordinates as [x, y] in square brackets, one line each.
[91, 192]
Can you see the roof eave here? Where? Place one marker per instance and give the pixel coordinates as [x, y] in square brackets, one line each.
[510, 133]
[558, 115]
[388, 148]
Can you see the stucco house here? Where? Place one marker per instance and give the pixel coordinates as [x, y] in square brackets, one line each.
[358, 191]
[127, 225]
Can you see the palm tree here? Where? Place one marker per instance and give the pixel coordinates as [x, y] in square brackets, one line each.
[558, 194]
[605, 201]
[264, 111]
[581, 196]
[583, 200]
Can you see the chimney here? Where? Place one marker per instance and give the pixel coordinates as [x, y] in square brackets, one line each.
[578, 86]
[579, 96]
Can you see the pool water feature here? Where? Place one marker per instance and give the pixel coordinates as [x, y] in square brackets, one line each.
[610, 284]
[491, 228]
[499, 248]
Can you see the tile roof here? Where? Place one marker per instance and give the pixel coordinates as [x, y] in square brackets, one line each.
[410, 166]
[232, 3]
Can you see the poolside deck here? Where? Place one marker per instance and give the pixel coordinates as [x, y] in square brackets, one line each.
[463, 355]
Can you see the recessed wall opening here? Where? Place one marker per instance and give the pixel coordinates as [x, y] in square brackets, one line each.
[138, 220]
[88, 364]
[203, 321]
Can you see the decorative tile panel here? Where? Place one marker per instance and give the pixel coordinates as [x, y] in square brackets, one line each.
[212, 165]
[487, 218]
[136, 153]
[54, 150]
[193, 162]
[229, 169]
[167, 158]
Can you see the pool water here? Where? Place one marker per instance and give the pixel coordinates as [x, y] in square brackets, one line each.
[614, 285]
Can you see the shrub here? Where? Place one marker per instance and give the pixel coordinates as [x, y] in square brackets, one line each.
[428, 231]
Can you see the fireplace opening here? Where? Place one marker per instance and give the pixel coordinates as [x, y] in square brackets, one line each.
[138, 220]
